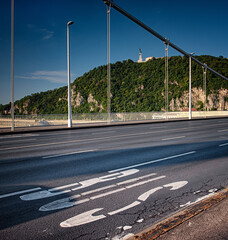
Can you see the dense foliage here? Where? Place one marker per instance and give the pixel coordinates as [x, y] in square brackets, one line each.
[135, 87]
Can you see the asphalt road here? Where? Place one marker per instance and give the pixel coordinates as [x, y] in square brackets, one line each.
[107, 183]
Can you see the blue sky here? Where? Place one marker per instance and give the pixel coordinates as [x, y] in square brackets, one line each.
[40, 37]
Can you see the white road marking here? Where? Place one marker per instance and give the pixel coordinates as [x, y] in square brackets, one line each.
[97, 190]
[144, 182]
[83, 218]
[87, 217]
[83, 184]
[136, 179]
[176, 185]
[20, 192]
[71, 153]
[167, 139]
[211, 192]
[224, 144]
[108, 193]
[84, 140]
[41, 194]
[62, 187]
[124, 208]
[224, 130]
[102, 138]
[145, 195]
[153, 161]
[64, 203]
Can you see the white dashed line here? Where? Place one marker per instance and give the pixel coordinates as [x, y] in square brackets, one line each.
[20, 192]
[154, 161]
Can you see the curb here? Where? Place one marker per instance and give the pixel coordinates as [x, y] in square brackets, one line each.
[23, 130]
[164, 226]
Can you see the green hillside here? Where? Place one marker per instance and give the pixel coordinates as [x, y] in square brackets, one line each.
[135, 87]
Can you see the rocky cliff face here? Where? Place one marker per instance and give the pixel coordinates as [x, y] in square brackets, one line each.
[214, 101]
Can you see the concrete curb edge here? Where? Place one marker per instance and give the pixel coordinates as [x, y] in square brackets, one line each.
[178, 218]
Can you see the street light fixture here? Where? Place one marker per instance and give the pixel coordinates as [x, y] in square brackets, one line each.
[190, 85]
[68, 75]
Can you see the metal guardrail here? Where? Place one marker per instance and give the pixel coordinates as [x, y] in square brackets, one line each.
[62, 119]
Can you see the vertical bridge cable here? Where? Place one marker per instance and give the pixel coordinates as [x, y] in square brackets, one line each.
[108, 66]
[166, 79]
[205, 87]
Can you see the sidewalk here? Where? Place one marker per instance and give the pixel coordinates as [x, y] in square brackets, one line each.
[206, 220]
[211, 224]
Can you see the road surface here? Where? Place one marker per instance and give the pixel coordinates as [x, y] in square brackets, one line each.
[107, 183]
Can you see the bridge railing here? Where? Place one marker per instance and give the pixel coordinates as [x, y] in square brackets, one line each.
[86, 118]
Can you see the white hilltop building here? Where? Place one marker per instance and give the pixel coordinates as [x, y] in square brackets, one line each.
[147, 59]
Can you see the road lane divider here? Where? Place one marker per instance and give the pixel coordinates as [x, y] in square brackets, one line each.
[153, 161]
[83, 184]
[19, 192]
[103, 138]
[71, 153]
[88, 216]
[223, 145]
[223, 130]
[172, 138]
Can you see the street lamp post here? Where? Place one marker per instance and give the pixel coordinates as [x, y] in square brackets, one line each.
[12, 64]
[68, 75]
[190, 85]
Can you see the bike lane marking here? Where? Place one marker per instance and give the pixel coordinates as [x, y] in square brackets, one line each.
[88, 217]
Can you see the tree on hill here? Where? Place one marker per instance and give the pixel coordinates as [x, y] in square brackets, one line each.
[135, 87]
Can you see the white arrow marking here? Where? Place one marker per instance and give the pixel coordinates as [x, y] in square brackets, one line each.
[83, 184]
[176, 185]
[145, 195]
[86, 217]
[74, 200]
[41, 194]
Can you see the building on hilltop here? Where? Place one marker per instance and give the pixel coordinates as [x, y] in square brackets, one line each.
[147, 59]
[140, 56]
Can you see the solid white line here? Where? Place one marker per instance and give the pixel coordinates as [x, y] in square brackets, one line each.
[66, 154]
[144, 182]
[62, 187]
[20, 192]
[97, 190]
[136, 179]
[166, 139]
[224, 144]
[154, 161]
[108, 193]
[124, 208]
